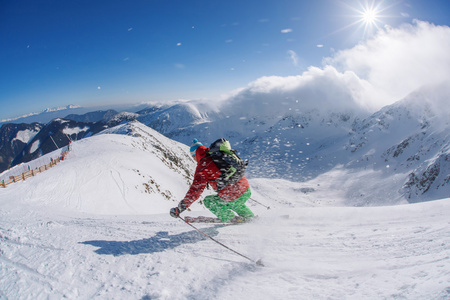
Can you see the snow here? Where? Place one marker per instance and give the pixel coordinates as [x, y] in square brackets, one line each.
[35, 146]
[75, 130]
[25, 135]
[89, 229]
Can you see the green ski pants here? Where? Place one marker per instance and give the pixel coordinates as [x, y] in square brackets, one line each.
[225, 210]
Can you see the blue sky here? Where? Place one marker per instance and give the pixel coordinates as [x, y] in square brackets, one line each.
[55, 53]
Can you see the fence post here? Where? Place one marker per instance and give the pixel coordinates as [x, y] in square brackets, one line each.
[3, 183]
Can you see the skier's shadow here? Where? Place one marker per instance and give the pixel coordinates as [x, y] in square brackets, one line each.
[158, 243]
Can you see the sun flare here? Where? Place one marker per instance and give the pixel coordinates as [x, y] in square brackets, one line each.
[369, 16]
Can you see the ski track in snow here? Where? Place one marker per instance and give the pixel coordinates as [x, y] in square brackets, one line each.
[318, 253]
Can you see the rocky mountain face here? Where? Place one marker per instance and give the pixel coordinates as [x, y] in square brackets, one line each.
[410, 137]
[13, 139]
[56, 134]
[24, 142]
[91, 117]
[407, 140]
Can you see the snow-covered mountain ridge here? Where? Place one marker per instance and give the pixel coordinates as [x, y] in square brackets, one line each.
[410, 136]
[130, 169]
[37, 116]
[97, 226]
[406, 142]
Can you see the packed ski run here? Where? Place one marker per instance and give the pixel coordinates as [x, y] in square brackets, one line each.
[318, 253]
[97, 226]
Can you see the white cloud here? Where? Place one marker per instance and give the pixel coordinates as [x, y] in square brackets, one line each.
[324, 89]
[178, 44]
[319, 46]
[293, 56]
[398, 61]
[287, 30]
[375, 73]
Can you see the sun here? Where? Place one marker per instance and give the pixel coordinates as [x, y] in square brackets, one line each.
[369, 16]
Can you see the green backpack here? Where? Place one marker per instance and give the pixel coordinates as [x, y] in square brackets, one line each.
[231, 166]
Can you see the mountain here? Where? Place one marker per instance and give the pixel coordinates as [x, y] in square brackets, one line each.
[95, 179]
[13, 139]
[55, 135]
[20, 144]
[286, 136]
[406, 143]
[410, 137]
[45, 115]
[94, 116]
[97, 226]
[89, 114]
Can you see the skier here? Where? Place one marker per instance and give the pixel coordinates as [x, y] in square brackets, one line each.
[228, 201]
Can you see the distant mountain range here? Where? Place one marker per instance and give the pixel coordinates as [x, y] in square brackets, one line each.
[45, 115]
[406, 144]
[49, 114]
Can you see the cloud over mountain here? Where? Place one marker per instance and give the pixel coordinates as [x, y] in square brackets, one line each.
[375, 73]
[398, 61]
[324, 89]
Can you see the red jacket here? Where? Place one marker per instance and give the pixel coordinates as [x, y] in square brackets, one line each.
[207, 172]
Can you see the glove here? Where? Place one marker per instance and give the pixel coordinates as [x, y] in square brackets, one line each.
[176, 211]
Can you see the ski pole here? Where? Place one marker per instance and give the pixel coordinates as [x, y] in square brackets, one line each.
[268, 207]
[258, 262]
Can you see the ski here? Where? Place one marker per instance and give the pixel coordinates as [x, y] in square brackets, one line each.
[203, 219]
[235, 220]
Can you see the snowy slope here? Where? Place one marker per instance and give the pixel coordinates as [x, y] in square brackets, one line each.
[97, 226]
[97, 178]
[319, 253]
[303, 132]
[410, 137]
[298, 135]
